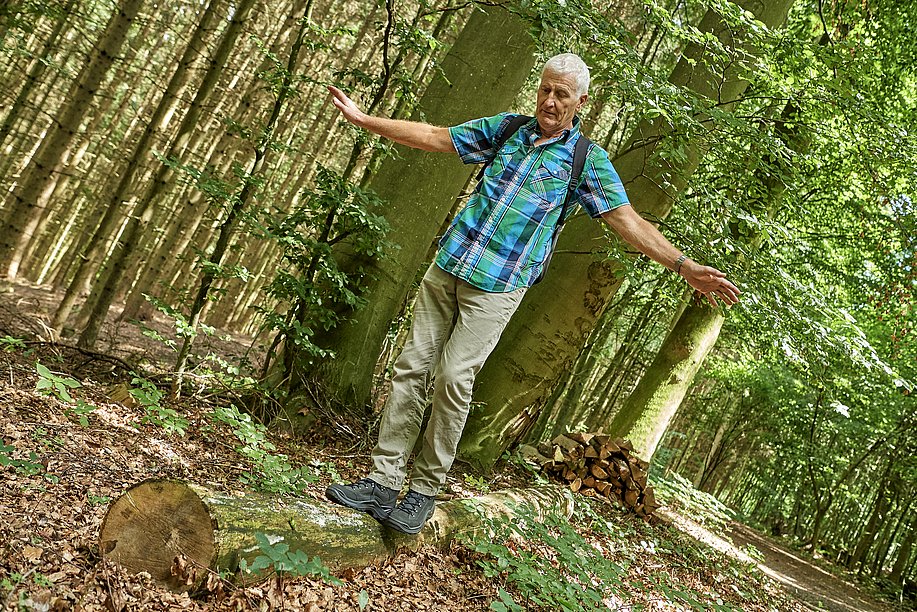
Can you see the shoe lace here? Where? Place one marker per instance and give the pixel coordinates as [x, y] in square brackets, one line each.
[362, 484]
[413, 501]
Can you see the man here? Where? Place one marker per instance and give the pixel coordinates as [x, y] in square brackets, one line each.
[493, 251]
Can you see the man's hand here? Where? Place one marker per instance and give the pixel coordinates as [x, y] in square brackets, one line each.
[643, 236]
[711, 282]
[348, 108]
[410, 133]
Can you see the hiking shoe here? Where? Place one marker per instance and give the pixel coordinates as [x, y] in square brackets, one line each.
[411, 514]
[364, 495]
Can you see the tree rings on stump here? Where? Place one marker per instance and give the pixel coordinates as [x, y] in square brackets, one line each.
[152, 523]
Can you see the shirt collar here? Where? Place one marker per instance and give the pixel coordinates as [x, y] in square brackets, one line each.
[567, 137]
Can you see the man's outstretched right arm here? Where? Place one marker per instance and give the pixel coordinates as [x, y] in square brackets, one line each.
[409, 133]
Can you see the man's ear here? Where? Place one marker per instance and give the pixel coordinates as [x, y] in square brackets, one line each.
[582, 101]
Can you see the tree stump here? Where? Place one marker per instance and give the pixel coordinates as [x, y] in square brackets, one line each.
[157, 520]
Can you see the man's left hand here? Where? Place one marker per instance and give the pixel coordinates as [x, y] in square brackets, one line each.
[711, 282]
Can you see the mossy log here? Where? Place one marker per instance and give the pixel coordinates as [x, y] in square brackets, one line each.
[157, 520]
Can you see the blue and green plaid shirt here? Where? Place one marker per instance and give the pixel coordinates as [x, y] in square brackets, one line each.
[498, 242]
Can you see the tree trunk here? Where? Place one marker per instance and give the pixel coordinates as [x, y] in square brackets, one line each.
[868, 536]
[541, 341]
[471, 85]
[904, 553]
[646, 414]
[239, 203]
[156, 520]
[97, 306]
[33, 196]
[39, 64]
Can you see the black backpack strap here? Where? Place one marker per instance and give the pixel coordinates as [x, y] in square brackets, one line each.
[511, 128]
[580, 151]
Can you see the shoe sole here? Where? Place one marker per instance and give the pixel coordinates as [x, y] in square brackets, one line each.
[371, 508]
[388, 522]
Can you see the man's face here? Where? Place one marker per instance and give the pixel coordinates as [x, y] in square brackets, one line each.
[557, 103]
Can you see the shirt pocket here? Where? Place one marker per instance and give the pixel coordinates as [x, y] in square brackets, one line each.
[502, 160]
[549, 184]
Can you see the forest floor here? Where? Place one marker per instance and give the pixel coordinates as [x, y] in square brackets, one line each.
[64, 456]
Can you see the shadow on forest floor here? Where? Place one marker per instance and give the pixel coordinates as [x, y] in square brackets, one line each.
[816, 588]
[61, 472]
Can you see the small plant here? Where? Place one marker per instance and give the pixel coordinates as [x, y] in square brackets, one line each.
[272, 472]
[550, 562]
[97, 500]
[54, 385]
[149, 396]
[26, 467]
[9, 344]
[478, 483]
[278, 557]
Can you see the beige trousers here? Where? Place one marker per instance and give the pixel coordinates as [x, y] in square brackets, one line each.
[455, 328]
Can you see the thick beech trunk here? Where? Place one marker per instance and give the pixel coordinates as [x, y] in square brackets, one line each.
[420, 189]
[649, 408]
[156, 520]
[546, 333]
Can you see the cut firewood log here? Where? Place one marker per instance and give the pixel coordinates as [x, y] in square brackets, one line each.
[598, 472]
[582, 438]
[566, 443]
[155, 521]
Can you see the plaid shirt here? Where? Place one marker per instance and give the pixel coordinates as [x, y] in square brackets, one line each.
[498, 242]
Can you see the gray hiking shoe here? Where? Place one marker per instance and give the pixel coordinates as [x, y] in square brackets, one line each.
[364, 495]
[411, 514]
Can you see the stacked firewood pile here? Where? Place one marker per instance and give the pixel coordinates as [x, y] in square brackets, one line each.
[596, 464]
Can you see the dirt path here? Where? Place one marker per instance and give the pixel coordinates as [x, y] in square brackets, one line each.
[802, 578]
[815, 588]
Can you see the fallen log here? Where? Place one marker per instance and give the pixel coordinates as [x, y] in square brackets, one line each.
[155, 521]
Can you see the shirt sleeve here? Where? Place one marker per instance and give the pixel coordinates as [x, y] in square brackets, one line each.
[601, 189]
[474, 140]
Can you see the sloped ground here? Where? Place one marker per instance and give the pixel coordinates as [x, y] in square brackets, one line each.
[802, 577]
[62, 462]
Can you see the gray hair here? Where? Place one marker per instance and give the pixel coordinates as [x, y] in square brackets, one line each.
[572, 65]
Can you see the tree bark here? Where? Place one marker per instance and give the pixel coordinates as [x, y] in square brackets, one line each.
[30, 201]
[546, 333]
[470, 85]
[156, 520]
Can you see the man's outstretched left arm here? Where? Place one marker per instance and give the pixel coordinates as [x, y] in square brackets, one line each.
[643, 236]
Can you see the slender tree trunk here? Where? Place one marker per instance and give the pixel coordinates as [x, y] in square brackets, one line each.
[32, 198]
[239, 203]
[98, 304]
[868, 536]
[36, 71]
[904, 553]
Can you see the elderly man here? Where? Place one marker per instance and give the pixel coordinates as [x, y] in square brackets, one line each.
[492, 252]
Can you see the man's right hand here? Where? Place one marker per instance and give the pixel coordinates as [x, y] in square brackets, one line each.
[410, 133]
[348, 108]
